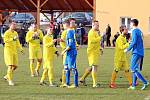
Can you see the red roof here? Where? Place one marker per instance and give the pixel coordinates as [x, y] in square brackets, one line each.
[50, 5]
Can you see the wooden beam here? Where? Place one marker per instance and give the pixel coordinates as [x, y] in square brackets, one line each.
[46, 16]
[38, 14]
[17, 10]
[52, 16]
[67, 3]
[33, 3]
[1, 18]
[94, 10]
[59, 14]
[47, 11]
[43, 3]
[90, 4]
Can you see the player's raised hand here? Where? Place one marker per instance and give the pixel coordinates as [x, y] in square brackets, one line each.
[62, 53]
[60, 40]
[15, 38]
[125, 51]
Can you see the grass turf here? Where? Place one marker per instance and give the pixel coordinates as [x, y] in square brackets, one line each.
[28, 88]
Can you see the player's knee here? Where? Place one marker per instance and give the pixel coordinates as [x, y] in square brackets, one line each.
[89, 69]
[75, 71]
[66, 69]
[94, 68]
[40, 60]
[14, 67]
[116, 71]
[31, 60]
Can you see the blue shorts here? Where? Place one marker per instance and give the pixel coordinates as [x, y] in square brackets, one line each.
[70, 61]
[136, 62]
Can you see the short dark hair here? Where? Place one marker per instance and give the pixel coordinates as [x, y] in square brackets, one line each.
[135, 22]
[94, 21]
[122, 27]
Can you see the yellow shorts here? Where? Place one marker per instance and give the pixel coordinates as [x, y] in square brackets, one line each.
[93, 58]
[35, 53]
[121, 65]
[10, 57]
[48, 64]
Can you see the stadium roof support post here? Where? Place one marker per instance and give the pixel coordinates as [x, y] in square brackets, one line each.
[1, 18]
[38, 13]
[94, 10]
[38, 6]
[52, 16]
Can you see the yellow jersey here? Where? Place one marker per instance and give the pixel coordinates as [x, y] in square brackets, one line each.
[121, 44]
[63, 37]
[93, 42]
[34, 42]
[10, 43]
[48, 47]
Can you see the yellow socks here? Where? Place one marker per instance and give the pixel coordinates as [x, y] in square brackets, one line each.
[94, 77]
[50, 75]
[129, 78]
[44, 75]
[38, 66]
[87, 72]
[63, 77]
[113, 78]
[32, 67]
[9, 73]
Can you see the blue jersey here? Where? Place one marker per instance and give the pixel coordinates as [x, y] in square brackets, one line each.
[137, 43]
[71, 42]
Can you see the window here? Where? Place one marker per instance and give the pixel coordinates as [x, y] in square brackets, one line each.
[125, 21]
[149, 25]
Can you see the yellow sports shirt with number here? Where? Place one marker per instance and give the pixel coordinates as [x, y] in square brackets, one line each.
[48, 48]
[35, 51]
[121, 44]
[34, 42]
[48, 51]
[93, 50]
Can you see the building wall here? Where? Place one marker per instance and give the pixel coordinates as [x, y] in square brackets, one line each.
[110, 11]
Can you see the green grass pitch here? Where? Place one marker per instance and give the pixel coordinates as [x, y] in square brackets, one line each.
[28, 88]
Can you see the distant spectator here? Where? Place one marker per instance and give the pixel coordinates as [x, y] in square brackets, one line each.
[115, 38]
[103, 40]
[108, 35]
[80, 34]
[56, 32]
